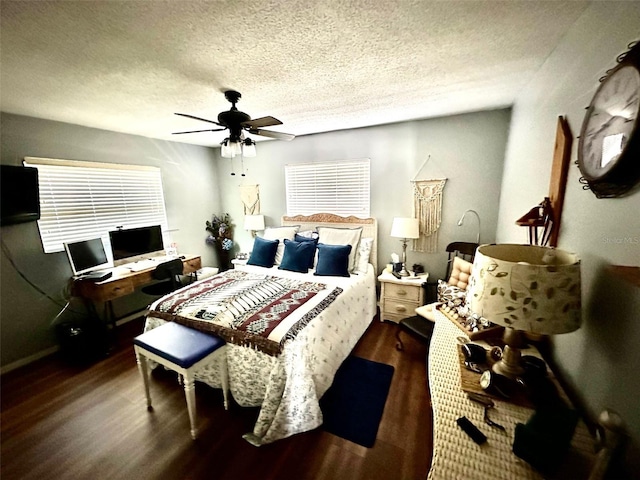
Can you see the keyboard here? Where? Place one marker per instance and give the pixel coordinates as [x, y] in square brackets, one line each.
[162, 259]
[142, 265]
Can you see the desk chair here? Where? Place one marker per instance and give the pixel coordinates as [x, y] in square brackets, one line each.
[170, 272]
[459, 265]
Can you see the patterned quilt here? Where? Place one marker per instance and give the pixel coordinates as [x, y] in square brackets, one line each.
[287, 387]
[248, 309]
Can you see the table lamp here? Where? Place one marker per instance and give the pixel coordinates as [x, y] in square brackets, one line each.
[405, 228]
[525, 288]
[253, 223]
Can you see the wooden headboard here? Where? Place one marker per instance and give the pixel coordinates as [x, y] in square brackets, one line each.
[310, 222]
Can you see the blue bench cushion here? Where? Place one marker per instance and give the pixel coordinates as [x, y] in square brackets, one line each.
[181, 345]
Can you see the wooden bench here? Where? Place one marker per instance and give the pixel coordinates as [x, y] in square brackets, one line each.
[185, 351]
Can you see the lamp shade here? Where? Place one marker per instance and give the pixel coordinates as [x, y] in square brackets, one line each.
[254, 222]
[526, 287]
[405, 228]
[249, 148]
[225, 151]
[229, 148]
[236, 147]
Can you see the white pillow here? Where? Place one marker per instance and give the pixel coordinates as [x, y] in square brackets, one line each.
[342, 236]
[362, 258]
[309, 234]
[280, 233]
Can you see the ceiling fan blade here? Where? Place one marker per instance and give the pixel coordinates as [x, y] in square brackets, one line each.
[198, 131]
[272, 134]
[261, 122]
[198, 118]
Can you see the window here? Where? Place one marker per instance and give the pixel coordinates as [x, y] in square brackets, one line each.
[342, 188]
[83, 200]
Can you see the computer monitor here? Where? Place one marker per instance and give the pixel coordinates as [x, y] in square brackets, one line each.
[133, 242]
[86, 256]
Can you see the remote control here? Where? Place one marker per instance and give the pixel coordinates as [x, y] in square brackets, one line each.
[470, 429]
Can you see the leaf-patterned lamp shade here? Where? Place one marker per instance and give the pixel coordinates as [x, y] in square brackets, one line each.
[526, 287]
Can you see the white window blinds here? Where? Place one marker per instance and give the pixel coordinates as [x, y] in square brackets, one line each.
[342, 188]
[83, 200]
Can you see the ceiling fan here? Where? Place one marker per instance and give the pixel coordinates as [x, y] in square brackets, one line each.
[236, 122]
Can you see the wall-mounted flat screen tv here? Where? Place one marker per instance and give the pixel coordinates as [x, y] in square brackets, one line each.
[133, 242]
[19, 194]
[86, 256]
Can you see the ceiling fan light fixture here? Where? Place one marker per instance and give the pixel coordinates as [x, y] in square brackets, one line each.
[225, 150]
[236, 148]
[229, 148]
[249, 148]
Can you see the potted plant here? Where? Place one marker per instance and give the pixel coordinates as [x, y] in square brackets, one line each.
[220, 236]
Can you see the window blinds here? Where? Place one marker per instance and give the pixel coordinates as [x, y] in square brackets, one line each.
[342, 188]
[83, 200]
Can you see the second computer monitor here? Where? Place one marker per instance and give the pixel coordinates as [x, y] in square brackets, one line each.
[132, 243]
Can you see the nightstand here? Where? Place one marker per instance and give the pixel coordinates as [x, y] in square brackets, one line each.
[237, 262]
[399, 298]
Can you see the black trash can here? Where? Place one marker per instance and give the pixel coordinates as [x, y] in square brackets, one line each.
[82, 341]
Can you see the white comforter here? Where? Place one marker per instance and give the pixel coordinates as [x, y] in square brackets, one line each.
[288, 387]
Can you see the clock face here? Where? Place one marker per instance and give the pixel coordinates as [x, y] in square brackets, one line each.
[611, 119]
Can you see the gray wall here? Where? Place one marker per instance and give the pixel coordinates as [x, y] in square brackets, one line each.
[602, 358]
[468, 150]
[191, 196]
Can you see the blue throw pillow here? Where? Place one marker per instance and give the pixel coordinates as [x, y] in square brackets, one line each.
[297, 256]
[264, 252]
[314, 240]
[333, 260]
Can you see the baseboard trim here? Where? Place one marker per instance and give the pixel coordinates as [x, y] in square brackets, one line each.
[30, 359]
[51, 350]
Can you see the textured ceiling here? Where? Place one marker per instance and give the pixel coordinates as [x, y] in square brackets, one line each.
[316, 65]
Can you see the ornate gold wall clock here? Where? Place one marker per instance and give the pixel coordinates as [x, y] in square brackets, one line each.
[609, 147]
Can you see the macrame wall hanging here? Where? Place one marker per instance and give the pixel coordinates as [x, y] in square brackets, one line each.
[427, 208]
[250, 196]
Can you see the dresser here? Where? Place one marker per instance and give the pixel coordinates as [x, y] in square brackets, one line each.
[399, 298]
[455, 455]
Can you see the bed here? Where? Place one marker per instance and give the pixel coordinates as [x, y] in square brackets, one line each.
[283, 369]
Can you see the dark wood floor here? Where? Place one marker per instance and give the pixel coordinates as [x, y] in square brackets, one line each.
[65, 422]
